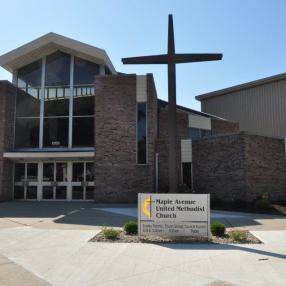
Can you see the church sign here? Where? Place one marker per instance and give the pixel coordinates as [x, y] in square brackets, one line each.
[174, 215]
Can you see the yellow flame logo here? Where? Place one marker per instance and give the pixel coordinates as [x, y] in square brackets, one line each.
[146, 204]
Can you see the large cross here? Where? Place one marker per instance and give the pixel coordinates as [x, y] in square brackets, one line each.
[171, 59]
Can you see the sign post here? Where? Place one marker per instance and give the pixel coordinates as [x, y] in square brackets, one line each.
[174, 215]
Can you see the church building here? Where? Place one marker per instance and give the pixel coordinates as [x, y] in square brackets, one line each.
[72, 128]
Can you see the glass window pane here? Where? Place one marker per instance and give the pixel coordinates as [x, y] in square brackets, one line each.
[32, 172]
[77, 193]
[89, 193]
[83, 105]
[57, 101]
[28, 102]
[89, 172]
[19, 174]
[141, 133]
[31, 193]
[27, 133]
[56, 132]
[61, 193]
[83, 131]
[18, 193]
[78, 172]
[187, 174]
[30, 75]
[48, 192]
[84, 71]
[48, 172]
[194, 133]
[57, 69]
[61, 172]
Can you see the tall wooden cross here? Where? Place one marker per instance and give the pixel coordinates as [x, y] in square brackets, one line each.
[171, 59]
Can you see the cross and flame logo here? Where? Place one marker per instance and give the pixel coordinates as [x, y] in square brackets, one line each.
[147, 206]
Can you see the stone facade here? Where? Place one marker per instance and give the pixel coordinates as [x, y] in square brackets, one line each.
[7, 109]
[117, 176]
[240, 166]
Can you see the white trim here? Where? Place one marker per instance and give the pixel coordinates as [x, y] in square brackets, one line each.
[49, 43]
[47, 155]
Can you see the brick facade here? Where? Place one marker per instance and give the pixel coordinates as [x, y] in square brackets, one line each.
[117, 176]
[223, 126]
[240, 166]
[7, 109]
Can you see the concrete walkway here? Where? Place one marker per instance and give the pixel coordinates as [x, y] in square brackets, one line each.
[50, 245]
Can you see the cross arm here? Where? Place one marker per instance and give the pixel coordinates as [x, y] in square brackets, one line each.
[190, 58]
[157, 59]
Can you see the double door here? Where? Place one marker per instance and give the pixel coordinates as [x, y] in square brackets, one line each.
[50, 181]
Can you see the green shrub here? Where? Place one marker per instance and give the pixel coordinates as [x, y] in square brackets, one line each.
[238, 235]
[218, 229]
[262, 205]
[131, 227]
[110, 233]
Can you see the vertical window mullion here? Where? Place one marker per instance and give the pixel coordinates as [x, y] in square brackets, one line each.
[71, 101]
[41, 133]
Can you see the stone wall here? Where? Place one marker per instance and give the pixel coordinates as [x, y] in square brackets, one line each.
[7, 108]
[240, 166]
[223, 126]
[117, 176]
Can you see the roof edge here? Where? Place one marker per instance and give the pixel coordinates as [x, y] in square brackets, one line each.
[239, 87]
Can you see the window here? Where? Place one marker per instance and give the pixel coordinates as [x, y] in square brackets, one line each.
[141, 133]
[187, 174]
[56, 111]
[195, 133]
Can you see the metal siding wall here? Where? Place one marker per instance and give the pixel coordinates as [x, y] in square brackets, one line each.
[261, 109]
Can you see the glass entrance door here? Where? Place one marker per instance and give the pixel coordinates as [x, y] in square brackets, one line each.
[26, 184]
[82, 181]
[55, 181]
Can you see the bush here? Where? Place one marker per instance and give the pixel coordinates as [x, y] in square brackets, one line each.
[218, 229]
[238, 235]
[131, 227]
[262, 205]
[110, 233]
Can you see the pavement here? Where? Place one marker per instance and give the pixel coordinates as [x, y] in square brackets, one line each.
[48, 244]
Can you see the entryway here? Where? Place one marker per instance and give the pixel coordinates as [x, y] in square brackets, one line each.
[50, 181]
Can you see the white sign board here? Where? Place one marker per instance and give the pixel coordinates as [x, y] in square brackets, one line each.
[174, 214]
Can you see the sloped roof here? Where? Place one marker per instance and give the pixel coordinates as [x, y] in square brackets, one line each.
[239, 87]
[163, 104]
[49, 43]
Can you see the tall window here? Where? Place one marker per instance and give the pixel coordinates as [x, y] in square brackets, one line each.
[51, 109]
[28, 106]
[142, 133]
[57, 95]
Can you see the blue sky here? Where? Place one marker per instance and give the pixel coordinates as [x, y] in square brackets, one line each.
[250, 34]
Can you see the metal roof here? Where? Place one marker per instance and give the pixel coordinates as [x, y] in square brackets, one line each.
[241, 86]
[49, 43]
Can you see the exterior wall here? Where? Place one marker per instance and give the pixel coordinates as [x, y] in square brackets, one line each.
[117, 176]
[240, 166]
[223, 126]
[259, 109]
[7, 109]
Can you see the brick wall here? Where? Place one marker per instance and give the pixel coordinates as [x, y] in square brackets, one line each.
[223, 126]
[240, 166]
[117, 176]
[7, 108]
